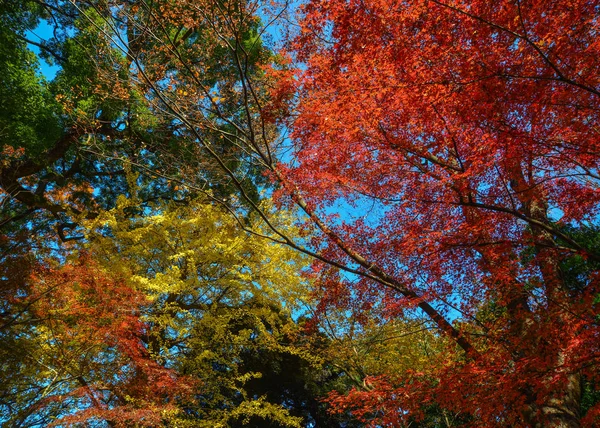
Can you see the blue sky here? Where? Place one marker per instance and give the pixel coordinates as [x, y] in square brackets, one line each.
[41, 33]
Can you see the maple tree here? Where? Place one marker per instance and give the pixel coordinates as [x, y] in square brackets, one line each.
[375, 354]
[470, 130]
[80, 355]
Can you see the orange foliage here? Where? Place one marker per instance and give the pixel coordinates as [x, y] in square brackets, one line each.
[470, 129]
[94, 333]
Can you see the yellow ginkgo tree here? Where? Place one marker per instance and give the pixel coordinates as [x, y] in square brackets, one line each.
[218, 298]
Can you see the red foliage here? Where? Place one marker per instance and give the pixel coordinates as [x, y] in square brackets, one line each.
[472, 127]
[95, 334]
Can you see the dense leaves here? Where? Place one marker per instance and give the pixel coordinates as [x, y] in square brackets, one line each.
[154, 312]
[79, 353]
[442, 173]
[470, 130]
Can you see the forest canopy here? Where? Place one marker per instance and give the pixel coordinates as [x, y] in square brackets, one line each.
[222, 213]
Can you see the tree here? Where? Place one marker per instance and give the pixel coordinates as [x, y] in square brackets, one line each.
[43, 170]
[78, 353]
[176, 317]
[470, 129]
[220, 307]
[66, 141]
[110, 139]
[376, 356]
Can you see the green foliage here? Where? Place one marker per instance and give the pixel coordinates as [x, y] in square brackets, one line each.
[578, 269]
[28, 111]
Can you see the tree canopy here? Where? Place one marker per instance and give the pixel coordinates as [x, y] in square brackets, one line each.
[338, 213]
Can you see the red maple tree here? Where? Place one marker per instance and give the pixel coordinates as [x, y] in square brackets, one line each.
[471, 128]
[91, 356]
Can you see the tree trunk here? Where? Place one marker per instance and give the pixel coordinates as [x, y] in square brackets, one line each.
[561, 408]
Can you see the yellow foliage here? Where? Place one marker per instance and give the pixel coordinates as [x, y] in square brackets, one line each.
[388, 349]
[218, 292]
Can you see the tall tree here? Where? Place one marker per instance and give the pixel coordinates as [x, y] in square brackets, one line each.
[121, 67]
[470, 130]
[103, 129]
[177, 317]
[220, 310]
